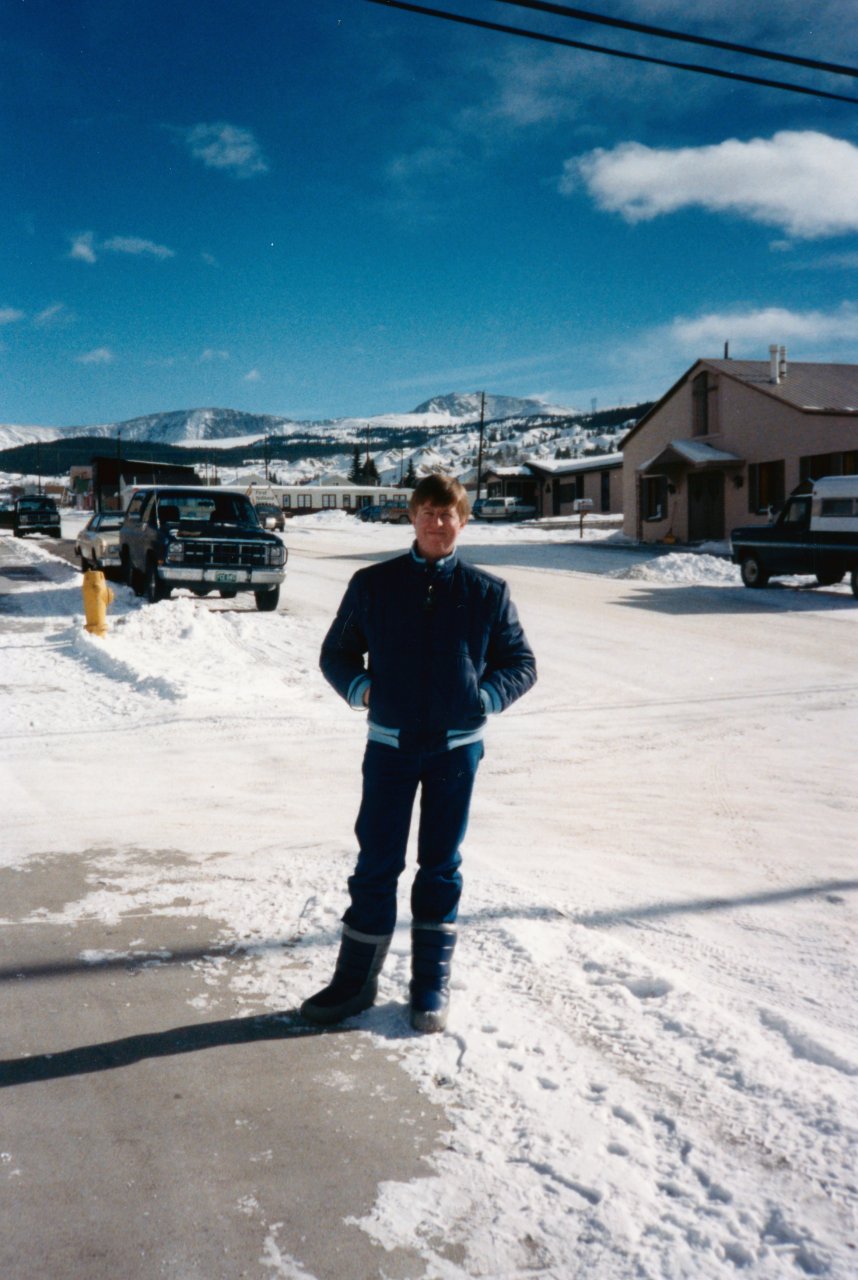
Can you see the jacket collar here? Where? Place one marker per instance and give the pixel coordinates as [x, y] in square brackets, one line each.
[447, 565]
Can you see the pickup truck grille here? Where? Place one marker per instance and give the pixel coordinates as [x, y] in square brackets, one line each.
[225, 555]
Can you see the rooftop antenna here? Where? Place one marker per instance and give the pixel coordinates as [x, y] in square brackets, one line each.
[727, 350]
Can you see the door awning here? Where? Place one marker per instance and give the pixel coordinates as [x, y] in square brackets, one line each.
[692, 454]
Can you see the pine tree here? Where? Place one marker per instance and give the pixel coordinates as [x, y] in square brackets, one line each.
[356, 472]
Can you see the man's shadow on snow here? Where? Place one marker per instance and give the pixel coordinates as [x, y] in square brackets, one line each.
[86, 1059]
[107, 1056]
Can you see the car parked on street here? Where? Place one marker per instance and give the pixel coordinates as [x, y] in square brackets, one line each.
[203, 539]
[506, 509]
[385, 513]
[815, 533]
[36, 513]
[270, 516]
[97, 543]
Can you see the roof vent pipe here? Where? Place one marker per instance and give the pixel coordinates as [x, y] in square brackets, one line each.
[773, 363]
[782, 365]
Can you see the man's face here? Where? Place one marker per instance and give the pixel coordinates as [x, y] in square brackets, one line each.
[437, 529]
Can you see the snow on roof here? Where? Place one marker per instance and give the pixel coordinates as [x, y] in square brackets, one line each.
[694, 452]
[562, 466]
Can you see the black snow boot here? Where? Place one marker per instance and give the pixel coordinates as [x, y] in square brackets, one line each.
[432, 948]
[354, 985]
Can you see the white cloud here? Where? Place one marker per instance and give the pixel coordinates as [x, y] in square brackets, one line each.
[137, 247]
[750, 332]
[54, 314]
[211, 353]
[777, 181]
[100, 355]
[8, 315]
[224, 146]
[82, 249]
[253, 376]
[85, 248]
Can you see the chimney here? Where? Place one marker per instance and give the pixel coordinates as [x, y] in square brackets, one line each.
[774, 376]
[782, 365]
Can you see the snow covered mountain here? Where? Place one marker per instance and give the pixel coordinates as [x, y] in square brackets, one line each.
[186, 426]
[466, 407]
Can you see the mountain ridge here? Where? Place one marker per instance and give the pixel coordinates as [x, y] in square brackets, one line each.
[186, 426]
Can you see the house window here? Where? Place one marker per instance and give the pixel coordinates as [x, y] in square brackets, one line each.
[286, 501]
[816, 465]
[329, 500]
[654, 497]
[765, 486]
[305, 499]
[605, 490]
[700, 389]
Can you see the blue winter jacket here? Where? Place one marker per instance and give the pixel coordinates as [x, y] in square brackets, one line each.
[444, 648]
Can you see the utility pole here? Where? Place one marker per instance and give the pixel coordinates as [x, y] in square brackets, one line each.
[480, 453]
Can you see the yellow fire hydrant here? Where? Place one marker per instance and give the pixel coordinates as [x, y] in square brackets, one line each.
[97, 595]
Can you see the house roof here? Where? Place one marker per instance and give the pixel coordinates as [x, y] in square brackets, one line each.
[810, 388]
[569, 466]
[814, 388]
[690, 453]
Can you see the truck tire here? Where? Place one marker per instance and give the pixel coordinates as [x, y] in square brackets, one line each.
[267, 599]
[154, 589]
[830, 578]
[753, 573]
[853, 578]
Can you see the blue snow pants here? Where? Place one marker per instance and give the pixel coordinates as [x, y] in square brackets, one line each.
[391, 777]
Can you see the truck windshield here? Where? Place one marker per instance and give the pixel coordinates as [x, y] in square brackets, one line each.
[206, 508]
[797, 513]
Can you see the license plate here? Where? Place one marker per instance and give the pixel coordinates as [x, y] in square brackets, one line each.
[226, 577]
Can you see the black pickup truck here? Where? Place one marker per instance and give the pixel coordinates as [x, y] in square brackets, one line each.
[202, 539]
[815, 533]
[35, 513]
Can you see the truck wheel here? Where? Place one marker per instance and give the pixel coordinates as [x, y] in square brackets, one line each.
[267, 599]
[853, 578]
[128, 576]
[753, 573]
[154, 588]
[830, 578]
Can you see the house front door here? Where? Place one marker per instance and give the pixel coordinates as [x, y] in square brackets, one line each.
[705, 506]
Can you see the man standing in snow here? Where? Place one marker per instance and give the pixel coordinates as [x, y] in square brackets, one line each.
[430, 646]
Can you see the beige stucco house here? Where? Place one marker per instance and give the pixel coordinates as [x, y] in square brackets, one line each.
[731, 439]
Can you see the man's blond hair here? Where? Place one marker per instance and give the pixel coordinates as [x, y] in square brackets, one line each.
[440, 491]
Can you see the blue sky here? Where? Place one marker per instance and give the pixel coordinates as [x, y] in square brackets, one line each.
[321, 208]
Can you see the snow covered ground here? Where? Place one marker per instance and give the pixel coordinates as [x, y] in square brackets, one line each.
[652, 1059]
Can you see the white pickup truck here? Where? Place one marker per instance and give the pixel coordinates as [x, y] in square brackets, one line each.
[506, 509]
[815, 533]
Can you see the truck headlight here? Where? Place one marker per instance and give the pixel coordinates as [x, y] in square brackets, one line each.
[175, 553]
[277, 556]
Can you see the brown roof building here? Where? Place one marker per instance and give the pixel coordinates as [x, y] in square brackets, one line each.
[731, 439]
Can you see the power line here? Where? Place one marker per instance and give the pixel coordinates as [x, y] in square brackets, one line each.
[614, 53]
[584, 15]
